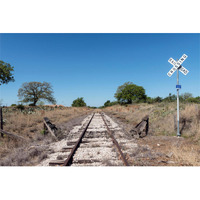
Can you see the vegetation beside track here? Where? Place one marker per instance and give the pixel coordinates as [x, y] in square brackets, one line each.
[162, 128]
[28, 123]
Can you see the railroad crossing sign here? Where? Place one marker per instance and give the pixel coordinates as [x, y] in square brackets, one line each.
[177, 65]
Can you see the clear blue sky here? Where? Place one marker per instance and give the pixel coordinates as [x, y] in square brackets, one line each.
[94, 65]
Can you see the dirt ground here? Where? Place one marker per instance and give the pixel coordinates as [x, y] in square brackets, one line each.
[30, 126]
[160, 150]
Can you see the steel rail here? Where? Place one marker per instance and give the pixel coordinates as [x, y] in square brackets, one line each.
[69, 160]
[115, 142]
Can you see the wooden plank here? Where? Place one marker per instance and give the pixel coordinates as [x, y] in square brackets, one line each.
[74, 142]
[71, 143]
[61, 162]
[12, 135]
[65, 150]
[86, 161]
[50, 131]
[56, 162]
[71, 147]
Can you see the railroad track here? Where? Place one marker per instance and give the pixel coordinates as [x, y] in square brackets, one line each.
[94, 144]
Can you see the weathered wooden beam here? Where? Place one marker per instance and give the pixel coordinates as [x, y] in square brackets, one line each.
[71, 143]
[142, 128]
[52, 126]
[50, 131]
[65, 150]
[56, 162]
[12, 135]
[71, 147]
[61, 162]
[86, 161]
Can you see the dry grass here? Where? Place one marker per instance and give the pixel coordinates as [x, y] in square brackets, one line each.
[24, 156]
[161, 117]
[31, 126]
[162, 123]
[187, 155]
[192, 122]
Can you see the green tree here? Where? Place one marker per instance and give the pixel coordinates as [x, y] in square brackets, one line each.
[149, 100]
[6, 75]
[185, 96]
[170, 98]
[129, 93]
[157, 99]
[107, 103]
[34, 91]
[79, 102]
[193, 99]
[110, 103]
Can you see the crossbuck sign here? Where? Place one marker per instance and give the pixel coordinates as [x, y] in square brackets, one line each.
[177, 65]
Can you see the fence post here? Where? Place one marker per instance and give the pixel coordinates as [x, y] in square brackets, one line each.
[1, 120]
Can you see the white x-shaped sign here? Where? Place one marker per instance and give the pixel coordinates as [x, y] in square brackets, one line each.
[177, 65]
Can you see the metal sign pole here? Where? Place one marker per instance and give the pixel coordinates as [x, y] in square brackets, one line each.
[178, 133]
[177, 65]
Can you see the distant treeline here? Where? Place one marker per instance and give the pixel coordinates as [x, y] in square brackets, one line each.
[129, 93]
[184, 98]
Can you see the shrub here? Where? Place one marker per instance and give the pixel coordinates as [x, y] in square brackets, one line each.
[109, 103]
[20, 107]
[79, 102]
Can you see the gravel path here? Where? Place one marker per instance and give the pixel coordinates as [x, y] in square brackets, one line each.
[96, 149]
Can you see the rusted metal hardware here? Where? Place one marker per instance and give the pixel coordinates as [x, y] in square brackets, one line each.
[115, 142]
[69, 160]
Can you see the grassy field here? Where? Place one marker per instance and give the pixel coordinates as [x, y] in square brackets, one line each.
[29, 124]
[162, 128]
[162, 117]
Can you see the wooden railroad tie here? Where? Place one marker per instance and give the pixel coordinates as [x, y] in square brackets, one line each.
[141, 129]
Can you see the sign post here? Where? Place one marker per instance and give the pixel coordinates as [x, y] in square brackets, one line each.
[177, 66]
[178, 132]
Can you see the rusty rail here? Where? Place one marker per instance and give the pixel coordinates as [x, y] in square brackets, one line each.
[69, 160]
[115, 142]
